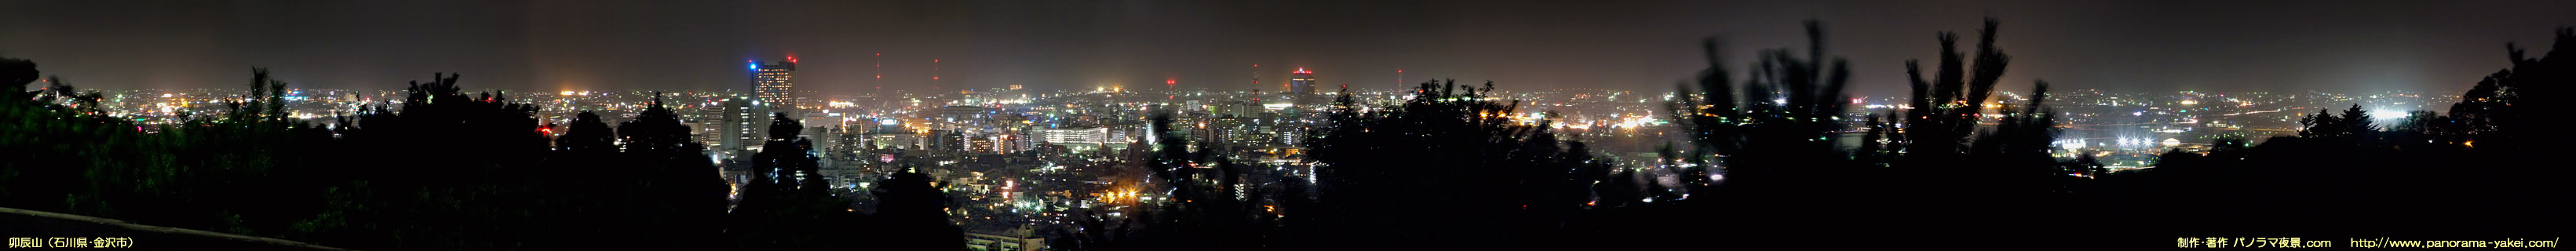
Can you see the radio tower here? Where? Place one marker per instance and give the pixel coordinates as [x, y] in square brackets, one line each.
[1256, 76]
[879, 68]
[934, 75]
[1399, 79]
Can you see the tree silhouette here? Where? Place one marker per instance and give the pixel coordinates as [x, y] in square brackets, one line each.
[1944, 109]
[1791, 104]
[588, 136]
[16, 73]
[454, 172]
[786, 205]
[2322, 125]
[660, 195]
[1777, 158]
[685, 201]
[657, 130]
[1448, 158]
[1961, 174]
[2353, 127]
[912, 214]
[2356, 123]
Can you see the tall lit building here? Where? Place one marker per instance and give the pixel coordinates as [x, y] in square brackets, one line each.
[1092, 135]
[742, 127]
[712, 123]
[775, 83]
[1306, 80]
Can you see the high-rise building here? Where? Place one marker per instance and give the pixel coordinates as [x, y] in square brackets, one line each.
[1091, 135]
[711, 121]
[775, 83]
[1306, 80]
[742, 126]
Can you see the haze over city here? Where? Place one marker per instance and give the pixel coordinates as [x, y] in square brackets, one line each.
[2332, 46]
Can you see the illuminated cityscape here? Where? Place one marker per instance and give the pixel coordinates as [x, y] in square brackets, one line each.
[1147, 126]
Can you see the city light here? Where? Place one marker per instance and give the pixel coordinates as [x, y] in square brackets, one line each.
[1014, 156]
[2388, 114]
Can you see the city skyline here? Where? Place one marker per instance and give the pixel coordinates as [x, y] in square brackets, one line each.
[1396, 125]
[2345, 47]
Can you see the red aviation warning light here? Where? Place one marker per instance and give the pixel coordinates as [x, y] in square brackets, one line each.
[1302, 70]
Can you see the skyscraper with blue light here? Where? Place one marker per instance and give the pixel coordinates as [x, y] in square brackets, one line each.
[773, 84]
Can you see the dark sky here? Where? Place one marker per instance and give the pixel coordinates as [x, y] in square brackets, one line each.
[2341, 46]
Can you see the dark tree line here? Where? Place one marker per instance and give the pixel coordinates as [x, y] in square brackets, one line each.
[1765, 158]
[1209, 206]
[438, 169]
[1451, 169]
[2483, 170]
[221, 172]
[1447, 169]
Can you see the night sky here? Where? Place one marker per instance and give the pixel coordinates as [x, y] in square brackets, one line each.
[2336, 46]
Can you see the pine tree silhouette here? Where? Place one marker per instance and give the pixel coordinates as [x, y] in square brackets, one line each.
[1445, 159]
